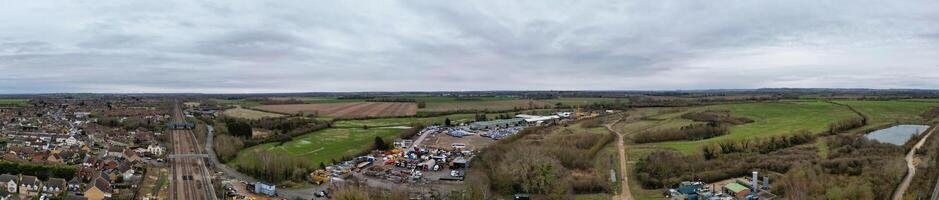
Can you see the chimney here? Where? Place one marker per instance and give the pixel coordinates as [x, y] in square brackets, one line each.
[766, 182]
[756, 185]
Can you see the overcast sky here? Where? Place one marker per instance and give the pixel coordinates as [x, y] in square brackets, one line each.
[302, 46]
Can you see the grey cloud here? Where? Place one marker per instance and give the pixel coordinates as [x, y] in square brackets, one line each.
[293, 46]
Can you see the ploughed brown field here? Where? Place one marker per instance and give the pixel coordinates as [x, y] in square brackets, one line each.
[347, 110]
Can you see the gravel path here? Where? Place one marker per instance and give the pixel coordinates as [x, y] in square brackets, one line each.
[911, 168]
[621, 148]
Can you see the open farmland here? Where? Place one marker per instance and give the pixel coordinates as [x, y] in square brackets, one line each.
[249, 114]
[407, 121]
[484, 105]
[770, 119]
[882, 113]
[582, 101]
[321, 146]
[347, 110]
[13, 102]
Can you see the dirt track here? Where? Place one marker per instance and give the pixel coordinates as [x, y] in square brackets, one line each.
[911, 167]
[621, 149]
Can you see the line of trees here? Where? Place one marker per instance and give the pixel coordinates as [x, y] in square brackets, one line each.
[763, 146]
[227, 147]
[276, 167]
[717, 116]
[690, 132]
[40, 171]
[846, 124]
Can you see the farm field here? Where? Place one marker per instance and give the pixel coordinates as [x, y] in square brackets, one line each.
[13, 102]
[244, 113]
[770, 119]
[317, 100]
[407, 121]
[887, 112]
[321, 146]
[238, 102]
[484, 105]
[347, 110]
[582, 101]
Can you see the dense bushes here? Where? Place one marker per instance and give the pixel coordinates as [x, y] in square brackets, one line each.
[763, 146]
[858, 167]
[40, 171]
[690, 132]
[717, 116]
[227, 147]
[275, 167]
[238, 128]
[930, 114]
[545, 161]
[283, 124]
[846, 124]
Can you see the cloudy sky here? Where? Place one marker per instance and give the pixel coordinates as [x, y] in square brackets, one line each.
[302, 46]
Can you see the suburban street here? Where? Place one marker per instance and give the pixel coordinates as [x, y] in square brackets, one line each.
[191, 178]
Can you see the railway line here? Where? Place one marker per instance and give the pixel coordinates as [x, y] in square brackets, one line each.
[191, 178]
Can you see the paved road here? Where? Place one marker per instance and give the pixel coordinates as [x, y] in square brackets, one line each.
[911, 168]
[191, 179]
[621, 148]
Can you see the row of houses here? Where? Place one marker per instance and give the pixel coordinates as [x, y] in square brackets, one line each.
[30, 186]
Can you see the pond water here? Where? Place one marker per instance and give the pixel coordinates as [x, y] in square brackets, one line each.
[898, 134]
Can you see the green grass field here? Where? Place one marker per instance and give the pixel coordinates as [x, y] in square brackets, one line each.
[771, 119]
[241, 102]
[13, 102]
[887, 112]
[407, 121]
[322, 146]
[249, 114]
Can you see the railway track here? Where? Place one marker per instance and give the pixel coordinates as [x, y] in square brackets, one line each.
[191, 177]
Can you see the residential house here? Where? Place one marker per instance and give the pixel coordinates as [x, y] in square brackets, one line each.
[155, 149]
[30, 185]
[126, 170]
[115, 151]
[54, 186]
[10, 182]
[98, 189]
[131, 156]
[75, 184]
[55, 159]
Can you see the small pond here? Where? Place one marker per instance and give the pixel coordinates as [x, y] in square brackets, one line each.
[898, 134]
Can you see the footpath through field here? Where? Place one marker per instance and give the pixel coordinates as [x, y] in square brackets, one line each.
[621, 148]
[911, 168]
